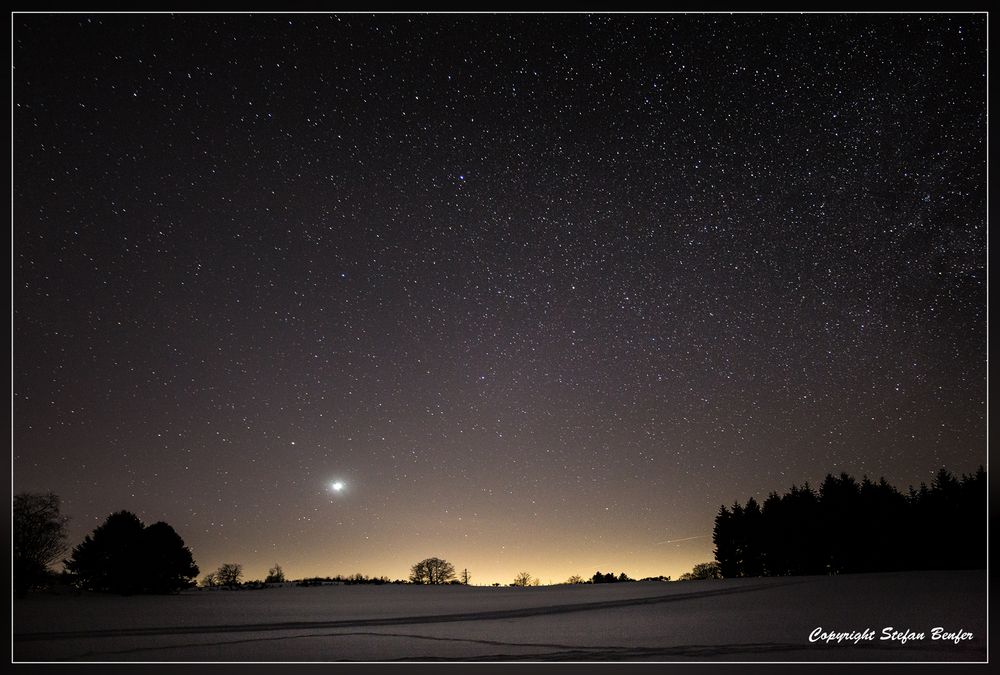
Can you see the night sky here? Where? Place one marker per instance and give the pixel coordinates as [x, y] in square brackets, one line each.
[542, 292]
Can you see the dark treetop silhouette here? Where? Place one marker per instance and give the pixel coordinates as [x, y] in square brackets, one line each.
[432, 571]
[124, 556]
[856, 527]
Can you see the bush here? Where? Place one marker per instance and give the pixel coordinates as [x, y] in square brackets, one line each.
[706, 570]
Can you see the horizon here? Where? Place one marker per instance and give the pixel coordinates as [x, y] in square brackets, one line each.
[544, 579]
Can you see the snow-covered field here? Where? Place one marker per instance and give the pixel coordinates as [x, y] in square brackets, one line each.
[730, 620]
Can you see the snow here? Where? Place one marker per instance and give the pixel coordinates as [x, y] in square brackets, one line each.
[730, 620]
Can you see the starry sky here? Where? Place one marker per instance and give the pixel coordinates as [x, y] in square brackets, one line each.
[541, 291]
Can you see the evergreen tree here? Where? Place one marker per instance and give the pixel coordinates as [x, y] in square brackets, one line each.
[752, 540]
[124, 556]
[855, 527]
[723, 536]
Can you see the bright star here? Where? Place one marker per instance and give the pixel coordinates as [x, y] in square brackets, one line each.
[337, 486]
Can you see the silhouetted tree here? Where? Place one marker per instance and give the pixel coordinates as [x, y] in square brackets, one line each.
[806, 550]
[524, 579]
[38, 538]
[229, 575]
[851, 527]
[774, 536]
[275, 575]
[840, 513]
[971, 521]
[734, 541]
[169, 565]
[882, 531]
[705, 570]
[752, 541]
[432, 571]
[108, 559]
[575, 579]
[608, 578]
[724, 538]
[124, 556]
[944, 509]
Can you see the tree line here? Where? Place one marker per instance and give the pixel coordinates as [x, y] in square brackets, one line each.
[847, 527]
[122, 555]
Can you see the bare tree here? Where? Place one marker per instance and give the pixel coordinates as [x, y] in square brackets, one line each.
[706, 570]
[524, 579]
[275, 575]
[432, 571]
[465, 576]
[575, 579]
[230, 574]
[39, 537]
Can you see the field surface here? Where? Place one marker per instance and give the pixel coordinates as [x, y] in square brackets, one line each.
[729, 620]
